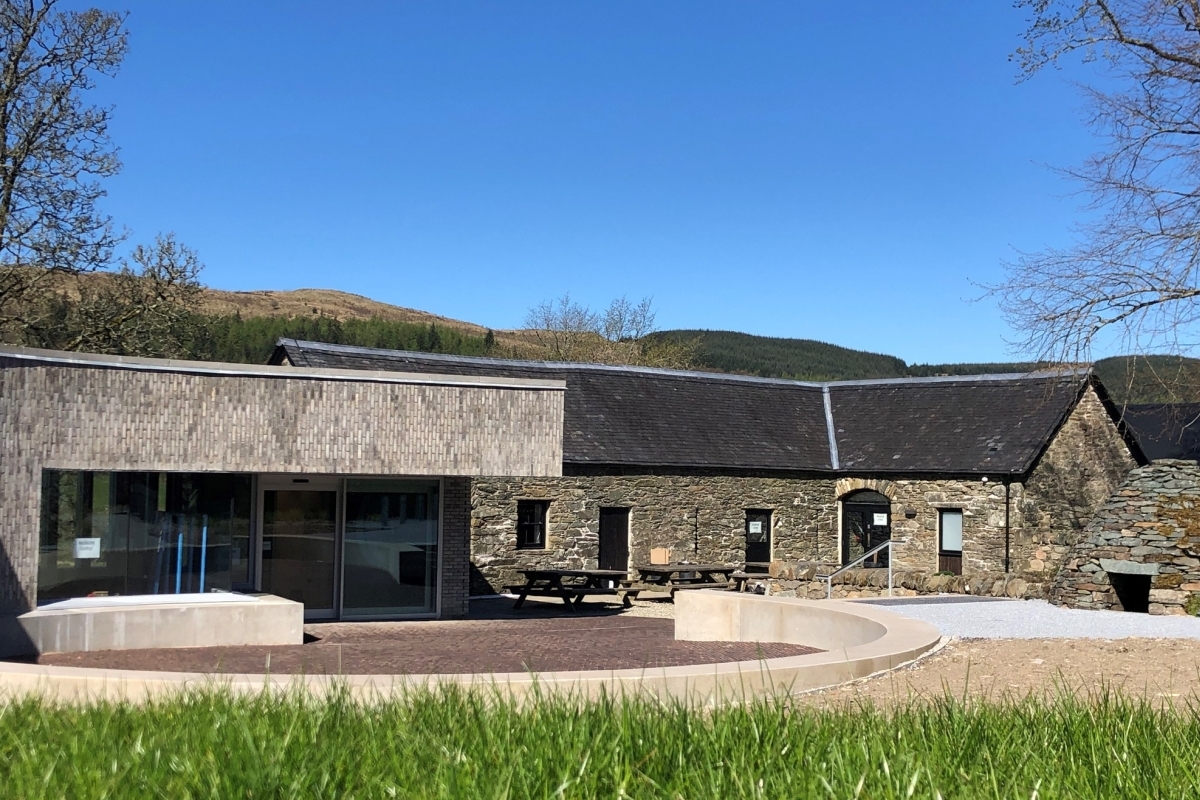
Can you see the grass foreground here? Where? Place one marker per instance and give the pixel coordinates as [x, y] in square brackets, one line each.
[456, 744]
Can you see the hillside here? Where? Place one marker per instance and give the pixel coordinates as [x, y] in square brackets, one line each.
[248, 323]
[245, 325]
[1146, 379]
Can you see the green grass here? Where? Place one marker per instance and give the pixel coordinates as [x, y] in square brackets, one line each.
[457, 745]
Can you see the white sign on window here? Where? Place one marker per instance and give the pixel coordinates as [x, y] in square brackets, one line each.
[880, 519]
[756, 526]
[87, 548]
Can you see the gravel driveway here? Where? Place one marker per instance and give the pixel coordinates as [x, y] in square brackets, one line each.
[987, 618]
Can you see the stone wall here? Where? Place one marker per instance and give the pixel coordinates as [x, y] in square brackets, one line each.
[1150, 527]
[701, 516]
[73, 411]
[1085, 463]
[854, 583]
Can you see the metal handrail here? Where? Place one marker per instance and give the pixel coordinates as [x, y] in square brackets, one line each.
[829, 578]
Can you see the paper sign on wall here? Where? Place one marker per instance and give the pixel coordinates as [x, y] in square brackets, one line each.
[756, 526]
[880, 519]
[87, 548]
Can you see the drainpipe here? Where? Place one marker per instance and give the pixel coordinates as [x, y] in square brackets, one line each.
[1007, 566]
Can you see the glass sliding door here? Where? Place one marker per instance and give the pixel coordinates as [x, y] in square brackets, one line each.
[299, 546]
[391, 548]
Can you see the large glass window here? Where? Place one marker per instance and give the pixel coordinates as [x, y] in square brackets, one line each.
[391, 548]
[111, 533]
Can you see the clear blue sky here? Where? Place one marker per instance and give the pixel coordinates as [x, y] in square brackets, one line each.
[837, 170]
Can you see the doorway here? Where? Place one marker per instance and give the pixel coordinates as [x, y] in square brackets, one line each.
[299, 542]
[866, 524]
[1132, 591]
[758, 536]
[614, 539]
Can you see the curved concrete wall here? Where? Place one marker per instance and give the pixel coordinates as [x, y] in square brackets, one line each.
[859, 640]
[737, 617]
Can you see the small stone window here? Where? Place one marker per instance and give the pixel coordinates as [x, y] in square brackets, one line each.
[531, 524]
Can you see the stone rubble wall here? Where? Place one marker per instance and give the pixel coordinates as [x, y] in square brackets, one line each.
[701, 518]
[1084, 464]
[1152, 521]
[801, 580]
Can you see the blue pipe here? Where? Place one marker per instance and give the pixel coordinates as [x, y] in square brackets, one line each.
[203, 551]
[179, 560]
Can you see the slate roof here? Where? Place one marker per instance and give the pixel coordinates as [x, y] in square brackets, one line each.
[1166, 430]
[633, 416]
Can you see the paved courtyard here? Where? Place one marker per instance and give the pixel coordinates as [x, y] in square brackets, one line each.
[540, 638]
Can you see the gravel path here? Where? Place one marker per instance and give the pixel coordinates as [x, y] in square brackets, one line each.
[983, 618]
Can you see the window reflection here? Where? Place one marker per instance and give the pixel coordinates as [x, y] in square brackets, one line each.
[114, 533]
[391, 543]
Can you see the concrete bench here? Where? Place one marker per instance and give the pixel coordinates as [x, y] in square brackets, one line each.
[138, 622]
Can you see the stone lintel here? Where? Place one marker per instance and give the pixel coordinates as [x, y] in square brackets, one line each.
[1126, 567]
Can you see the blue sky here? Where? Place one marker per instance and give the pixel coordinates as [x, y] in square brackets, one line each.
[839, 171]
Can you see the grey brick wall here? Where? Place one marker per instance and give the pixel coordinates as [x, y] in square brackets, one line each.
[79, 416]
[456, 547]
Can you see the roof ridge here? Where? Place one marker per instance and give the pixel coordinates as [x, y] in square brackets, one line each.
[677, 373]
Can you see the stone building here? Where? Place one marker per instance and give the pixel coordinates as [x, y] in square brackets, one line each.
[965, 475]
[347, 491]
[1141, 552]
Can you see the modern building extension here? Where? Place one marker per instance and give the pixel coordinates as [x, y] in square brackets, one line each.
[348, 491]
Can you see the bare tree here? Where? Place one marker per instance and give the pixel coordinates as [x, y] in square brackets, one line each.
[624, 321]
[54, 148]
[148, 307]
[1131, 274]
[564, 330]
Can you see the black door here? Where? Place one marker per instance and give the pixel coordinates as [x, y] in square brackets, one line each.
[614, 538]
[758, 536]
[866, 524]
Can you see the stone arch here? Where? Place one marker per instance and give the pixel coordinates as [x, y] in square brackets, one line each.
[845, 486]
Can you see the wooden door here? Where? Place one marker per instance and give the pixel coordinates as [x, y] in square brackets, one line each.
[614, 538]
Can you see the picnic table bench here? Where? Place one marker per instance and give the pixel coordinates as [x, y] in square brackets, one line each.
[672, 578]
[571, 585]
[753, 571]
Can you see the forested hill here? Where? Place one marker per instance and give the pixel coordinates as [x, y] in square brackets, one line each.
[1152, 379]
[810, 360]
[244, 327]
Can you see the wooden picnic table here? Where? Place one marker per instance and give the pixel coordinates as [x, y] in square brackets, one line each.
[571, 585]
[674, 577]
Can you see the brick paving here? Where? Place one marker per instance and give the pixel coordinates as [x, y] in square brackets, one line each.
[538, 643]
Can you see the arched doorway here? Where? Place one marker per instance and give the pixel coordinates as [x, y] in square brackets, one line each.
[866, 523]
